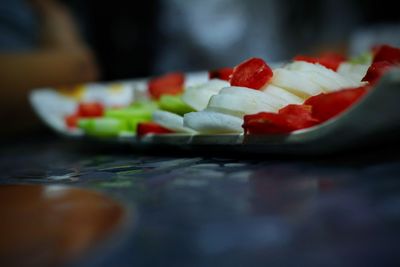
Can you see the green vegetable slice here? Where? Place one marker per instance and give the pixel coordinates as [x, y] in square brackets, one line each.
[174, 104]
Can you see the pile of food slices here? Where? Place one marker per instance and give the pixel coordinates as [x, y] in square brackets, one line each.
[250, 98]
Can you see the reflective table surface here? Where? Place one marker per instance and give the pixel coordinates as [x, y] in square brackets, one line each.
[221, 209]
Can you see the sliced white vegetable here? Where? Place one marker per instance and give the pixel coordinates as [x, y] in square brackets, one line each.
[198, 96]
[356, 72]
[325, 82]
[305, 66]
[213, 122]
[283, 94]
[339, 79]
[239, 105]
[170, 121]
[214, 85]
[295, 82]
[268, 98]
[196, 78]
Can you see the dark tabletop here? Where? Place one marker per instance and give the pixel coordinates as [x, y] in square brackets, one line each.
[228, 210]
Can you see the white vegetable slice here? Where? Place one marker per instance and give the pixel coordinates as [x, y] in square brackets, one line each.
[214, 85]
[340, 80]
[170, 121]
[198, 96]
[283, 94]
[270, 99]
[325, 82]
[295, 82]
[305, 66]
[213, 122]
[356, 72]
[239, 105]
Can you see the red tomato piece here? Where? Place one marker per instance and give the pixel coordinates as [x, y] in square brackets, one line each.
[222, 73]
[253, 73]
[376, 71]
[298, 116]
[308, 59]
[168, 84]
[71, 121]
[386, 53]
[329, 60]
[151, 127]
[89, 110]
[326, 106]
[266, 123]
[289, 118]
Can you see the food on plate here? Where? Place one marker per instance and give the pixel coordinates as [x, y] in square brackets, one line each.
[250, 98]
[151, 128]
[315, 110]
[280, 93]
[71, 121]
[89, 110]
[329, 60]
[296, 82]
[222, 74]
[103, 127]
[287, 119]
[326, 106]
[376, 71]
[93, 117]
[174, 104]
[197, 97]
[240, 103]
[171, 121]
[355, 72]
[253, 73]
[321, 87]
[84, 110]
[207, 121]
[386, 53]
[168, 84]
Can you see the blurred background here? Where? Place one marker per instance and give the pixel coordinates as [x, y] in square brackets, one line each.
[57, 42]
[132, 39]
[152, 37]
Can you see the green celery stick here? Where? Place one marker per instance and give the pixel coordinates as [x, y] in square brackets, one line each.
[174, 104]
[129, 113]
[149, 105]
[103, 126]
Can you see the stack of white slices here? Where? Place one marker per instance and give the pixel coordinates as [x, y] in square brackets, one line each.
[220, 108]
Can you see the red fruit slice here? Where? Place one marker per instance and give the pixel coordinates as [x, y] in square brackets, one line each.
[168, 84]
[386, 53]
[222, 73]
[376, 71]
[298, 116]
[326, 106]
[71, 121]
[253, 73]
[151, 127]
[308, 59]
[290, 118]
[329, 60]
[89, 110]
[266, 123]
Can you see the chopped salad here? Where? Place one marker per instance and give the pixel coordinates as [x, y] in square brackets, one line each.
[250, 98]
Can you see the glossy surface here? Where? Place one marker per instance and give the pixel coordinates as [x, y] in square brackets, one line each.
[230, 209]
[52, 225]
